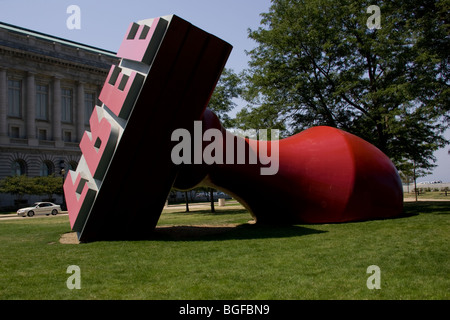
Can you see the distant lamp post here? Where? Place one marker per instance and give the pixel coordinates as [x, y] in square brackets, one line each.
[63, 174]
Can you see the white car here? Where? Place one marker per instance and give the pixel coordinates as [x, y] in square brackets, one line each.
[40, 208]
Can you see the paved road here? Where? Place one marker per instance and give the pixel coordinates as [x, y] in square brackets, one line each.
[14, 216]
[192, 206]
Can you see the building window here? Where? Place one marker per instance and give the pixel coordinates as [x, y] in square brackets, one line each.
[14, 132]
[47, 168]
[15, 98]
[42, 134]
[89, 105]
[67, 136]
[66, 105]
[42, 102]
[18, 168]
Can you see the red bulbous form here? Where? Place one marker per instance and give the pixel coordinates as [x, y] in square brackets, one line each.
[325, 175]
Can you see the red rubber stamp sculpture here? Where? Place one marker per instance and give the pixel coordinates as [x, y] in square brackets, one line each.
[168, 71]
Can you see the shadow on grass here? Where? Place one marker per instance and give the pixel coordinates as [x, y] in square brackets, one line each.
[255, 231]
[218, 212]
[426, 207]
[220, 233]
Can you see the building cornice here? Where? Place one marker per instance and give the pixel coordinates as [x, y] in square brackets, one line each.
[16, 42]
[68, 61]
[50, 38]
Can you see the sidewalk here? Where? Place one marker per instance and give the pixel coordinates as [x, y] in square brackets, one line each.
[423, 199]
[197, 205]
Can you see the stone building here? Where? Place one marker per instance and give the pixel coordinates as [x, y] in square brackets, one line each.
[48, 89]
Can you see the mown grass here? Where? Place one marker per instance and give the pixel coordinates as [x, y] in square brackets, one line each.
[438, 195]
[326, 261]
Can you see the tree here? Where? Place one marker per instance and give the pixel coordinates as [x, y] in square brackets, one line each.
[221, 102]
[211, 199]
[17, 185]
[318, 63]
[22, 185]
[409, 172]
[48, 186]
[407, 175]
[187, 201]
[208, 194]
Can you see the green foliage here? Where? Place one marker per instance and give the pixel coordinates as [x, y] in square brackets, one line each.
[17, 185]
[221, 102]
[48, 185]
[317, 63]
[21, 185]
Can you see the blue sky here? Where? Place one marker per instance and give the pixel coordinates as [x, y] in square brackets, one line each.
[103, 25]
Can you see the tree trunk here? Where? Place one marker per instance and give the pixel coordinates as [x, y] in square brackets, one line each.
[415, 182]
[211, 197]
[187, 203]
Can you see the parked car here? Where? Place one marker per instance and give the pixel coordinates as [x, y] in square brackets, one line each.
[40, 208]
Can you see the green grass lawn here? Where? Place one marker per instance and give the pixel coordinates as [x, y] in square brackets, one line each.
[438, 195]
[245, 262]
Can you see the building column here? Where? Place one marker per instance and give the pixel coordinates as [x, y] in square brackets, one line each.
[3, 106]
[56, 119]
[31, 109]
[80, 110]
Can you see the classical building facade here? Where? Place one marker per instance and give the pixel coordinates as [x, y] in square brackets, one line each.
[48, 89]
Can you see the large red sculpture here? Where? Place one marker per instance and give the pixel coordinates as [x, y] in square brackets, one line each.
[168, 71]
[324, 175]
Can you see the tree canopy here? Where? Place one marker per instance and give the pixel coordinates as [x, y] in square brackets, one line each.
[221, 102]
[22, 185]
[317, 62]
